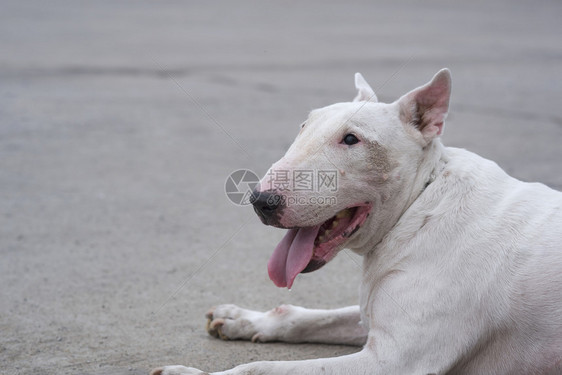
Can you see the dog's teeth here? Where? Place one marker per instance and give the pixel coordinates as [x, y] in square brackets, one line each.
[321, 239]
[341, 214]
[334, 224]
[327, 233]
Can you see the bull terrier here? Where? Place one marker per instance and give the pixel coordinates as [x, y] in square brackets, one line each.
[462, 264]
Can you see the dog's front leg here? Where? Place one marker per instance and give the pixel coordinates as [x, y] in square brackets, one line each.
[361, 363]
[289, 324]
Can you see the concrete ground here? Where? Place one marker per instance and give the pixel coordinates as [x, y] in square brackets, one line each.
[120, 122]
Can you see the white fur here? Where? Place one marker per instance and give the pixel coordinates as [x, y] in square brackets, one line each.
[462, 270]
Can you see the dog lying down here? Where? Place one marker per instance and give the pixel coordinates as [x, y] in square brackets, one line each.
[462, 264]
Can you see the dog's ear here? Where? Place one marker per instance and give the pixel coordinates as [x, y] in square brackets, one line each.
[364, 91]
[427, 106]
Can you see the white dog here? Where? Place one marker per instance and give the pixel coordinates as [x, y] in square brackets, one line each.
[462, 270]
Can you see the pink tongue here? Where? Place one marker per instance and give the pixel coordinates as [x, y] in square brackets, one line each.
[292, 255]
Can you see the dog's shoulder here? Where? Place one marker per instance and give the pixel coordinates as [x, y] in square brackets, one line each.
[472, 191]
[472, 169]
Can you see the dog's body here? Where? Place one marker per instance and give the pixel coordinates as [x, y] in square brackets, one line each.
[462, 270]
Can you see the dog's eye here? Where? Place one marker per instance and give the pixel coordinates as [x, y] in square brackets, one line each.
[350, 139]
[303, 124]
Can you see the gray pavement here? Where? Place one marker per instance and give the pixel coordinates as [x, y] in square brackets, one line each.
[120, 121]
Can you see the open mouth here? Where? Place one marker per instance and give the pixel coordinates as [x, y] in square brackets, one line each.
[309, 248]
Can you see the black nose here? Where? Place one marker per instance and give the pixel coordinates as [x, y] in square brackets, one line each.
[266, 204]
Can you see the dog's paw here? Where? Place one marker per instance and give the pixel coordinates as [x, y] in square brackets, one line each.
[177, 370]
[230, 322]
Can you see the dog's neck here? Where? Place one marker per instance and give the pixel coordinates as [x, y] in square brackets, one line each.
[431, 164]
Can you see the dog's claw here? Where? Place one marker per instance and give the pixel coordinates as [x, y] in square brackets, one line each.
[214, 328]
[230, 322]
[208, 326]
[213, 325]
[256, 338]
[209, 314]
[217, 323]
[211, 331]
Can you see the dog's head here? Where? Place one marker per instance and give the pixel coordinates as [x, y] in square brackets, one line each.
[349, 175]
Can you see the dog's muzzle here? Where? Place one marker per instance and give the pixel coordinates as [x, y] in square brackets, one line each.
[268, 205]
